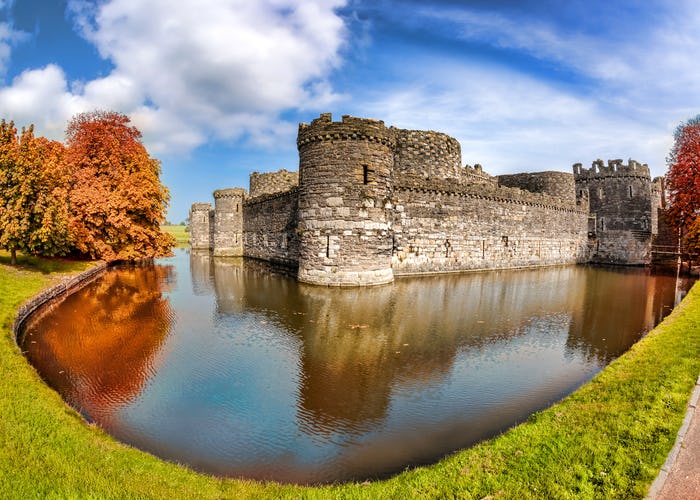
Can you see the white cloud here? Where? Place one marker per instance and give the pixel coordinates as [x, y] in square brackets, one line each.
[636, 86]
[510, 122]
[188, 71]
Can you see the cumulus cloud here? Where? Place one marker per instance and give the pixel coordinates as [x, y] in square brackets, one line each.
[188, 71]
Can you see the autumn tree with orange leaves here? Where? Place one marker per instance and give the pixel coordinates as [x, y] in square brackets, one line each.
[34, 184]
[117, 201]
[683, 183]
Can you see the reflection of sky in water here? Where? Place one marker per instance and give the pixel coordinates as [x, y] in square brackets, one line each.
[262, 377]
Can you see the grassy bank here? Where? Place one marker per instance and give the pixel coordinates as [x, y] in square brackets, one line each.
[607, 440]
[181, 234]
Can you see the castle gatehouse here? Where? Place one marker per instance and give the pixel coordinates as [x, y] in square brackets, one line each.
[371, 202]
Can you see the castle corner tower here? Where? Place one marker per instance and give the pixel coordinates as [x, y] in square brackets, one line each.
[228, 222]
[345, 182]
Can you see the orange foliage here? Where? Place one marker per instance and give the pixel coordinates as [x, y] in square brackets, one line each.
[117, 200]
[33, 203]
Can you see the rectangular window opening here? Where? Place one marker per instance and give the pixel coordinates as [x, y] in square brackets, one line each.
[630, 191]
[367, 174]
[328, 245]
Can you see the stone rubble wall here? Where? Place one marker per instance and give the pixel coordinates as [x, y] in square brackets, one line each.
[446, 230]
[558, 184]
[272, 182]
[270, 228]
[432, 155]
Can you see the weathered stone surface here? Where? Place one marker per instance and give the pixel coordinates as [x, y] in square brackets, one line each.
[272, 182]
[270, 228]
[228, 222]
[622, 206]
[201, 226]
[375, 201]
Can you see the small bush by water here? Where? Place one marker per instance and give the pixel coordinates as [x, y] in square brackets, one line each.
[606, 440]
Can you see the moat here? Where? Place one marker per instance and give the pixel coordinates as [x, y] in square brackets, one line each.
[229, 368]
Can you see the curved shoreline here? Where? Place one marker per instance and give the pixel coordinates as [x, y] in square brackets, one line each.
[466, 473]
[65, 287]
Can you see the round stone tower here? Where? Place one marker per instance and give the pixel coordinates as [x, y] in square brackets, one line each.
[201, 226]
[345, 183]
[228, 222]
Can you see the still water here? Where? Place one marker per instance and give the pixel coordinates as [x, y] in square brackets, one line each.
[234, 370]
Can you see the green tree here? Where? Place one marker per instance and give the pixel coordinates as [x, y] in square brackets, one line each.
[683, 183]
[117, 200]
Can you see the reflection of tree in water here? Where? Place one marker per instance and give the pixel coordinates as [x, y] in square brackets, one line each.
[99, 369]
[361, 346]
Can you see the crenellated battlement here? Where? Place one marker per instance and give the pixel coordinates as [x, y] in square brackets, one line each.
[229, 193]
[200, 207]
[350, 128]
[614, 168]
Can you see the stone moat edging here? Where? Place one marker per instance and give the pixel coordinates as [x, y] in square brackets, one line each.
[66, 286]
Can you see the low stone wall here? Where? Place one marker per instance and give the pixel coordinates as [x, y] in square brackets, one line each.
[57, 291]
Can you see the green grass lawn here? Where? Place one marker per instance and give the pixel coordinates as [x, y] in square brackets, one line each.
[181, 234]
[607, 440]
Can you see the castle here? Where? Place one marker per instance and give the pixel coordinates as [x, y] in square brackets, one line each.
[371, 202]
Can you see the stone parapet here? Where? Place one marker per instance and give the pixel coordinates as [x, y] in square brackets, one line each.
[350, 128]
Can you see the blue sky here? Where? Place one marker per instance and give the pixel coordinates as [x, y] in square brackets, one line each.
[218, 86]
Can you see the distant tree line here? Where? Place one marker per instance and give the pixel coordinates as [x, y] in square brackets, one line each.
[98, 195]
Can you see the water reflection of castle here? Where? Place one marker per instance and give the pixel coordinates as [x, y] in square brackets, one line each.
[359, 345]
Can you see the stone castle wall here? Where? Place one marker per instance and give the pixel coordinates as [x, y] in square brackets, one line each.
[272, 182]
[345, 176]
[270, 228]
[428, 154]
[557, 184]
[483, 227]
[620, 198]
[370, 202]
